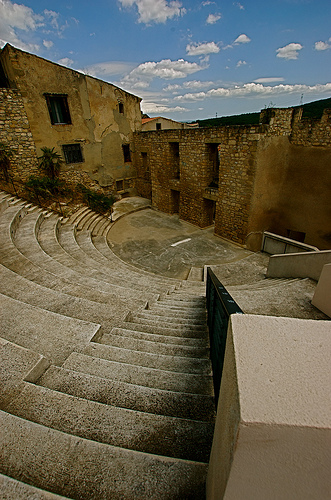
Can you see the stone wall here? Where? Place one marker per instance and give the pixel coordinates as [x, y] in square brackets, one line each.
[15, 132]
[310, 132]
[271, 177]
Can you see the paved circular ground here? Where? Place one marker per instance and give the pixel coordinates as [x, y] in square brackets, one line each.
[165, 245]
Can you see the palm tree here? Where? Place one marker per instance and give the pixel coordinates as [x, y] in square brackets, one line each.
[50, 162]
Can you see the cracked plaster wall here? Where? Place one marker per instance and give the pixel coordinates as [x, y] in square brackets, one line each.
[97, 125]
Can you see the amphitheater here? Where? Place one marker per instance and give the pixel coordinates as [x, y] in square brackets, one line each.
[106, 383]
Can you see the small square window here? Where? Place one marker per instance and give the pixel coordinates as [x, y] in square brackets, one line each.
[126, 153]
[158, 126]
[58, 109]
[119, 185]
[72, 153]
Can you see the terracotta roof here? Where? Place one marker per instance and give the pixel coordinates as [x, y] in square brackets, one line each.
[145, 120]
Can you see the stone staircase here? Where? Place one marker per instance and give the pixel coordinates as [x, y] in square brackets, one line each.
[106, 388]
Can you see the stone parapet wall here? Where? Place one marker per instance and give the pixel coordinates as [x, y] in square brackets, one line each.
[15, 133]
[310, 132]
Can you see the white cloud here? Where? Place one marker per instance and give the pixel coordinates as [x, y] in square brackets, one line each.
[322, 45]
[241, 63]
[256, 90]
[242, 39]
[158, 11]
[269, 79]
[191, 84]
[290, 51]
[152, 107]
[108, 68]
[237, 4]
[165, 69]
[15, 17]
[199, 49]
[213, 18]
[66, 61]
[48, 44]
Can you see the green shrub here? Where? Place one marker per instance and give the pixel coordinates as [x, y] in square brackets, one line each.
[45, 187]
[97, 202]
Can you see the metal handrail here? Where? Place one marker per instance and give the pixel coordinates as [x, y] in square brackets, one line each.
[220, 306]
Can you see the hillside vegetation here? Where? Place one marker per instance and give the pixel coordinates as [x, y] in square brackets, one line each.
[313, 110]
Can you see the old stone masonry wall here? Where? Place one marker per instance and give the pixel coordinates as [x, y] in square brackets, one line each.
[245, 179]
[15, 132]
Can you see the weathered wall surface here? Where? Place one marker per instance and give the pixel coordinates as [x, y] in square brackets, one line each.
[272, 177]
[96, 122]
[15, 131]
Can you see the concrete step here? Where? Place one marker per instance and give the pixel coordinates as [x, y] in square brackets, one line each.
[119, 337]
[67, 252]
[11, 489]
[86, 222]
[83, 239]
[76, 217]
[71, 281]
[133, 430]
[103, 246]
[19, 288]
[17, 364]
[146, 334]
[188, 313]
[56, 461]
[128, 395]
[149, 360]
[195, 274]
[153, 319]
[54, 336]
[180, 332]
[148, 377]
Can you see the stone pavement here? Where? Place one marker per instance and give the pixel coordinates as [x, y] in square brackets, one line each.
[163, 244]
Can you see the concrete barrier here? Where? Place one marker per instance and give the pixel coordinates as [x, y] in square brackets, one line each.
[272, 434]
[298, 265]
[276, 244]
[322, 296]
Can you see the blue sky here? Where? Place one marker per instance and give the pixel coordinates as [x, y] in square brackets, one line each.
[187, 59]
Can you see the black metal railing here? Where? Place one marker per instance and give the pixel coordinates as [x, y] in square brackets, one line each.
[220, 306]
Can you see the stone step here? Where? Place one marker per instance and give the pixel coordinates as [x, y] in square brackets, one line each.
[83, 239]
[136, 331]
[195, 274]
[178, 331]
[76, 217]
[19, 288]
[95, 223]
[139, 431]
[264, 284]
[57, 461]
[11, 489]
[120, 337]
[17, 364]
[103, 246]
[188, 313]
[69, 281]
[86, 222]
[68, 253]
[53, 335]
[149, 360]
[150, 318]
[148, 377]
[130, 396]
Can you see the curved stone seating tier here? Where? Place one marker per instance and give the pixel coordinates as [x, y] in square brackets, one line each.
[106, 388]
